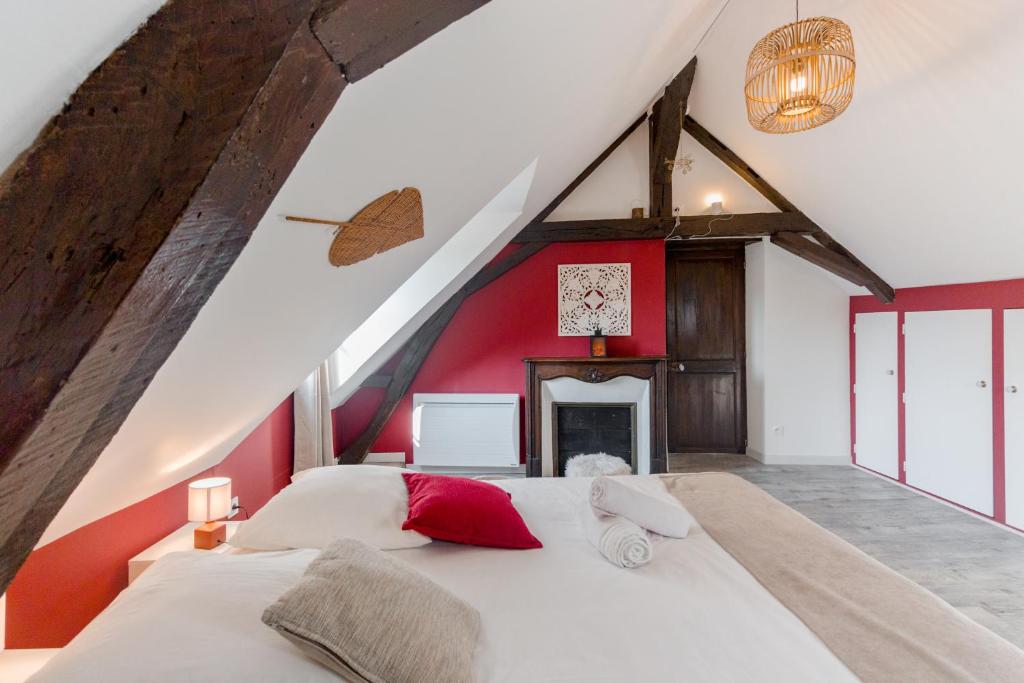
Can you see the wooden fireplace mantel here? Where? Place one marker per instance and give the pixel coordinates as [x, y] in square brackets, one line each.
[594, 371]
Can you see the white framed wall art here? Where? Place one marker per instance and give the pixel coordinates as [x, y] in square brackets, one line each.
[594, 296]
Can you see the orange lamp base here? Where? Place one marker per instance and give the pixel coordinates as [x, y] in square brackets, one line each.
[210, 535]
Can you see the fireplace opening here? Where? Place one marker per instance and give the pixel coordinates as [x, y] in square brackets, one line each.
[594, 428]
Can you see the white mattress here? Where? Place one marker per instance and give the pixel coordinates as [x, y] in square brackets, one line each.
[561, 613]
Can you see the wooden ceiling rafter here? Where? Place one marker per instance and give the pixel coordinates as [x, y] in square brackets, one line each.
[809, 250]
[841, 258]
[136, 198]
[665, 128]
[734, 225]
[789, 229]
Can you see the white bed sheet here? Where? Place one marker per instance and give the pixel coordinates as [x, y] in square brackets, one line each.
[558, 614]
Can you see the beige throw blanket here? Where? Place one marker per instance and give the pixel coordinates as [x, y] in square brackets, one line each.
[881, 625]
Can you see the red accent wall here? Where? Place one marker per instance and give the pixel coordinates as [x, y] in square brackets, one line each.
[997, 296]
[64, 584]
[515, 317]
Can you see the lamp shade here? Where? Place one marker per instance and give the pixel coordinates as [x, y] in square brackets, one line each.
[209, 499]
[800, 76]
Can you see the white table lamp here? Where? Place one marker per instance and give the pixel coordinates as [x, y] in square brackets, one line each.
[209, 500]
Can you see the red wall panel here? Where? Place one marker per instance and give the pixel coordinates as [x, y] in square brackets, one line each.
[64, 584]
[997, 296]
[515, 317]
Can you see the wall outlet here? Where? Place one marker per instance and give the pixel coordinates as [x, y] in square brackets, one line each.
[234, 507]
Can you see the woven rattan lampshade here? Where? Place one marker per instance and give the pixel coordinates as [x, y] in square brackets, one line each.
[800, 75]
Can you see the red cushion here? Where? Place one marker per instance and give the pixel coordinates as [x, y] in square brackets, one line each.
[465, 511]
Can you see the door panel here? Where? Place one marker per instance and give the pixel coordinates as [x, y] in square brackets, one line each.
[706, 337]
[704, 303]
[876, 392]
[1013, 412]
[949, 405]
[710, 417]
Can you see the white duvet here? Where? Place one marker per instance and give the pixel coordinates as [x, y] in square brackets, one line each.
[561, 613]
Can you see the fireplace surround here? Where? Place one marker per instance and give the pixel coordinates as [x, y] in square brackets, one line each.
[634, 381]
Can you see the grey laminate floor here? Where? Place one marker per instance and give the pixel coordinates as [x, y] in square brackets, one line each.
[975, 566]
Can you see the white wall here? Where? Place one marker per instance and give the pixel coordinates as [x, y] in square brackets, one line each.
[756, 304]
[798, 359]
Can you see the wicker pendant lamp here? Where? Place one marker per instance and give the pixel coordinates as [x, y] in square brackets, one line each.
[800, 75]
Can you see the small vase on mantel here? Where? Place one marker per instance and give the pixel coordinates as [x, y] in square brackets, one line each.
[598, 344]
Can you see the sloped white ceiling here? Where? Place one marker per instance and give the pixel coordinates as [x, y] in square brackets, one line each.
[920, 177]
[459, 117]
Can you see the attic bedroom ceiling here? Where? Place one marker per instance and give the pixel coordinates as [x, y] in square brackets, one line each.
[461, 115]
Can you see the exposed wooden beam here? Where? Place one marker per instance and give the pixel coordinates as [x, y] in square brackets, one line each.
[868, 278]
[874, 284]
[546, 211]
[730, 225]
[736, 164]
[128, 209]
[376, 381]
[820, 256]
[418, 348]
[665, 127]
[364, 35]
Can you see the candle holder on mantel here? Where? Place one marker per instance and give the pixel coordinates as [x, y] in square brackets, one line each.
[598, 344]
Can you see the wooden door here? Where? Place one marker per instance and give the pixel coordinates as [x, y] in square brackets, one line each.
[706, 348]
[876, 393]
[949, 405]
[1013, 407]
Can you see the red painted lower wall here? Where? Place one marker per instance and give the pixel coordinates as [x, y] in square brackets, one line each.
[66, 583]
[997, 296]
[515, 317]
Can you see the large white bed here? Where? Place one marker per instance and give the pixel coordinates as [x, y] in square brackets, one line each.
[561, 613]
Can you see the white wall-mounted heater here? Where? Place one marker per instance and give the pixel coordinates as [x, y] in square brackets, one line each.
[466, 433]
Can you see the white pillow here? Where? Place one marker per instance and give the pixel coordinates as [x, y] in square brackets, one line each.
[364, 502]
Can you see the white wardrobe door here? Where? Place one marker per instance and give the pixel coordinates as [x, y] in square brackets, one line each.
[949, 405]
[1013, 368]
[876, 400]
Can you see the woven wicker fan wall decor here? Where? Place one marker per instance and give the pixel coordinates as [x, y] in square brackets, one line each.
[388, 221]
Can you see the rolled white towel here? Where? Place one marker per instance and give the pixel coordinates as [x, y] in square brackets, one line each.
[642, 500]
[622, 542]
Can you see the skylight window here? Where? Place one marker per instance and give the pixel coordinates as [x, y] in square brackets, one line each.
[380, 334]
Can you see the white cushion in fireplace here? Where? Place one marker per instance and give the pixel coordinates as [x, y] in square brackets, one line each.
[596, 465]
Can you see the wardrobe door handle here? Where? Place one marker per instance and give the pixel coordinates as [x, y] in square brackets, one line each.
[982, 383]
[1012, 389]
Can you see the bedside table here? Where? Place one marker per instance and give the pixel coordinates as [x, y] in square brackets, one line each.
[178, 540]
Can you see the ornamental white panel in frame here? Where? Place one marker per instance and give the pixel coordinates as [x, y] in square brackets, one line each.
[592, 296]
